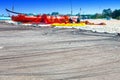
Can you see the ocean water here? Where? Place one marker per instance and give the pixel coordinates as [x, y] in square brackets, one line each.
[5, 18]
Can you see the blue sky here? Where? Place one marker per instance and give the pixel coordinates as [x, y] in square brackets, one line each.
[61, 6]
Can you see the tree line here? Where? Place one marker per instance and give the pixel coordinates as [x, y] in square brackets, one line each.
[107, 13]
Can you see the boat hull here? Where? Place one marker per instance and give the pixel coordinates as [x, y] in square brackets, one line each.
[40, 19]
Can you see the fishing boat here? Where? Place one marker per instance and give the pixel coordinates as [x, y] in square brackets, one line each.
[47, 19]
[62, 20]
[26, 19]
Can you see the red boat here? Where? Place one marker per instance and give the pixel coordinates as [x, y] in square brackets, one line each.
[47, 19]
[40, 19]
[26, 19]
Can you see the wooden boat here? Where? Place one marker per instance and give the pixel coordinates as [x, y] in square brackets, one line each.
[26, 19]
[45, 19]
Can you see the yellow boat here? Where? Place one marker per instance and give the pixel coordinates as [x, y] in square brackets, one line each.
[68, 24]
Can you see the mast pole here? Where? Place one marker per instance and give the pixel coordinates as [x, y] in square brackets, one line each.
[71, 7]
[13, 5]
[80, 14]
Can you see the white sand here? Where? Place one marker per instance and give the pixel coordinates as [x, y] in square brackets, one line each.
[112, 26]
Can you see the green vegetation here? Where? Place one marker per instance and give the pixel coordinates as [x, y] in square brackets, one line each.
[55, 13]
[97, 16]
[107, 13]
[116, 14]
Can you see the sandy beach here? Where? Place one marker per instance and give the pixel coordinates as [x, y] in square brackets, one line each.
[36, 53]
[112, 26]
